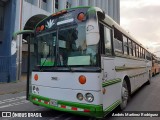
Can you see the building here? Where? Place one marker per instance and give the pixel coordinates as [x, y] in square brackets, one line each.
[17, 15]
[7, 25]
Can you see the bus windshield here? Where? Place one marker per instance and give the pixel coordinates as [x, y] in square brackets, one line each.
[66, 47]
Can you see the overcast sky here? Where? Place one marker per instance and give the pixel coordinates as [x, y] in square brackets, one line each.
[141, 18]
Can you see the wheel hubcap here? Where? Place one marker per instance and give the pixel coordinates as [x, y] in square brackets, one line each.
[124, 95]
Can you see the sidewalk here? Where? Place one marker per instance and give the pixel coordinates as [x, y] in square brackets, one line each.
[11, 88]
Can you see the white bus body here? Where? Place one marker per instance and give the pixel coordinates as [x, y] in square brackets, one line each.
[124, 65]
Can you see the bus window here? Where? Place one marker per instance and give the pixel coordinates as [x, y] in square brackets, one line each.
[130, 47]
[137, 50]
[118, 41]
[107, 38]
[140, 52]
[134, 49]
[46, 51]
[148, 55]
[125, 45]
[144, 53]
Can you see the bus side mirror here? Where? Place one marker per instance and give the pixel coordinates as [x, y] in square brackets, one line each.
[14, 37]
[92, 32]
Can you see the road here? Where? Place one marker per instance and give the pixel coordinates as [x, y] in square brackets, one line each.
[146, 98]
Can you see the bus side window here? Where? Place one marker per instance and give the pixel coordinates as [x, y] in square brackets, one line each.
[118, 45]
[107, 38]
[134, 49]
[137, 50]
[125, 45]
[142, 53]
[130, 47]
[148, 56]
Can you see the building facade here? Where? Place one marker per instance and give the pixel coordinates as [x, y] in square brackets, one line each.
[7, 25]
[17, 15]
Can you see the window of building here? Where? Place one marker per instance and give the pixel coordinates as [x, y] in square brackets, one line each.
[45, 1]
[56, 4]
[80, 2]
[125, 45]
[29, 1]
[44, 4]
[90, 2]
[1, 17]
[68, 5]
[107, 38]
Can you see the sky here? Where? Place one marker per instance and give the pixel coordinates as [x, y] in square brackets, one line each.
[141, 18]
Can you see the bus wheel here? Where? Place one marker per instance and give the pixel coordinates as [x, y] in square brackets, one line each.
[149, 80]
[124, 95]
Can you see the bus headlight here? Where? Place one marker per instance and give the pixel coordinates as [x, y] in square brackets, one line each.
[37, 89]
[34, 88]
[80, 96]
[89, 97]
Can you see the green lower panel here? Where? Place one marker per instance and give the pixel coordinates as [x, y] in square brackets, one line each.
[94, 110]
[111, 107]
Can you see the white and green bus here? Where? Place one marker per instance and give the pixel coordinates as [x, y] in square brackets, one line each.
[83, 62]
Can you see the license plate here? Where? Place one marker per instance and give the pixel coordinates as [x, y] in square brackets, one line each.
[53, 102]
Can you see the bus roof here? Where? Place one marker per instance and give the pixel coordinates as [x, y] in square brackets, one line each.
[107, 20]
[111, 23]
[62, 10]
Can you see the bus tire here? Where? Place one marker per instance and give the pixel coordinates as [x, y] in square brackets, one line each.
[149, 80]
[124, 95]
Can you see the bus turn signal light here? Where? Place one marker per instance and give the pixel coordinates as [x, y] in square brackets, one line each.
[81, 16]
[38, 29]
[36, 77]
[42, 27]
[59, 13]
[82, 79]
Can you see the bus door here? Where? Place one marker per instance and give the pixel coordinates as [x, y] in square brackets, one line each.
[113, 91]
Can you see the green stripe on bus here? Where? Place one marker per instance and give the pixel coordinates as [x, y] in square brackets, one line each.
[96, 110]
[110, 82]
[121, 68]
[112, 107]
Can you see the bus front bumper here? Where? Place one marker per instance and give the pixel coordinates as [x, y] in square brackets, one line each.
[71, 107]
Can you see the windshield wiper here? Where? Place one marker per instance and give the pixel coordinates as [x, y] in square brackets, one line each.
[69, 67]
[44, 63]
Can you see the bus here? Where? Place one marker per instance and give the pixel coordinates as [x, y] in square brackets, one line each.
[155, 65]
[83, 62]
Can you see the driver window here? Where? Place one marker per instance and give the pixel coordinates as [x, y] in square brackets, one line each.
[107, 38]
